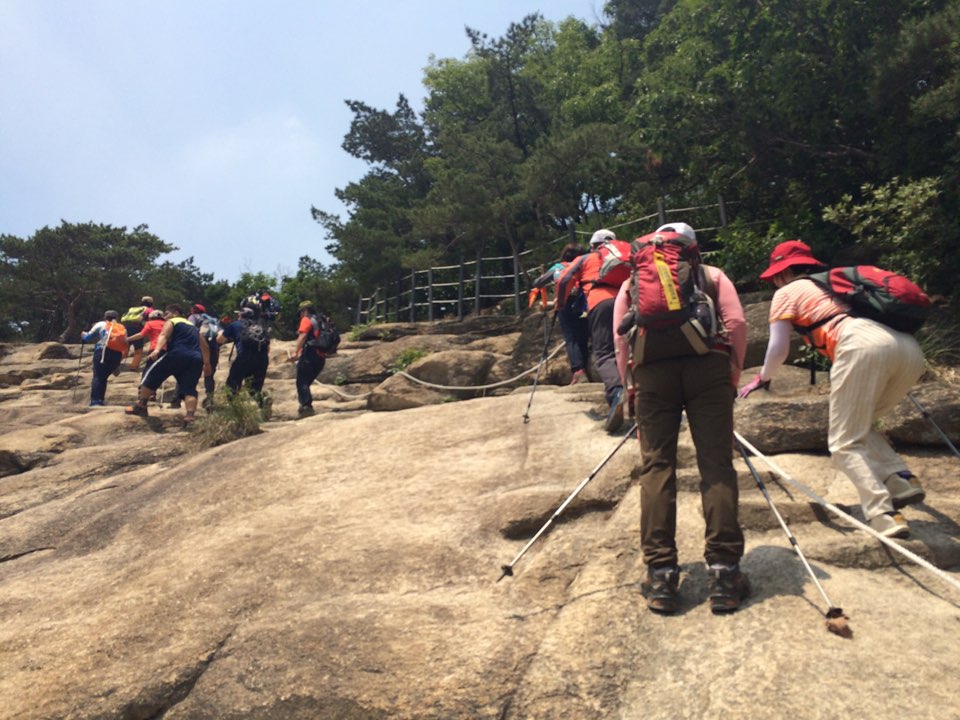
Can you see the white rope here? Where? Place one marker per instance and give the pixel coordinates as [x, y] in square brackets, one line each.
[481, 387]
[342, 394]
[846, 516]
[448, 387]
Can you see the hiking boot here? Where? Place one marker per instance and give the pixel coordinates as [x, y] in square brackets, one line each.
[189, 419]
[615, 417]
[305, 411]
[728, 589]
[904, 489]
[174, 404]
[116, 372]
[660, 588]
[891, 525]
[578, 377]
[137, 409]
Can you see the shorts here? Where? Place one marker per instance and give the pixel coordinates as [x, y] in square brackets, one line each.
[186, 369]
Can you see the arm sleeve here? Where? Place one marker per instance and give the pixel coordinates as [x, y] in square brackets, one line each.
[565, 281]
[731, 314]
[778, 347]
[621, 342]
[545, 279]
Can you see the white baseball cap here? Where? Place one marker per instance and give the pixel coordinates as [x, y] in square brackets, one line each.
[601, 236]
[679, 229]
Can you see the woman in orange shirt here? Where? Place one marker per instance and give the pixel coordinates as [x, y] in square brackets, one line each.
[873, 369]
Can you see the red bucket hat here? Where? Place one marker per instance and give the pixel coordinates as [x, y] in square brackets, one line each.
[787, 254]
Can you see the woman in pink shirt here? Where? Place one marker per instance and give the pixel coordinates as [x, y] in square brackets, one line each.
[873, 369]
[703, 386]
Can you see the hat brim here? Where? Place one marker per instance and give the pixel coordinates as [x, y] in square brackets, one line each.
[780, 265]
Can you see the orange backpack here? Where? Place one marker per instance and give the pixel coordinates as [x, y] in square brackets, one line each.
[117, 336]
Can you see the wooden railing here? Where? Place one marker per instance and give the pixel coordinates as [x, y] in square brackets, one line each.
[473, 285]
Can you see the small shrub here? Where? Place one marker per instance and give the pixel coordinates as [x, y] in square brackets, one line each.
[233, 416]
[406, 358]
[940, 340]
[807, 355]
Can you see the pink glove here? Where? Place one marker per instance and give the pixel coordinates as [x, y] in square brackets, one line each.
[754, 384]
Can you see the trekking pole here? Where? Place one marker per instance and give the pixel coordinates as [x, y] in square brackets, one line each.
[76, 380]
[543, 360]
[836, 620]
[849, 518]
[508, 569]
[936, 427]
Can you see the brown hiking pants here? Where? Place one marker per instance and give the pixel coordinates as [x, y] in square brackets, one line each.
[701, 386]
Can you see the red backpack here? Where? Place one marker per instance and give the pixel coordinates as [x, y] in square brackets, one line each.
[881, 295]
[673, 312]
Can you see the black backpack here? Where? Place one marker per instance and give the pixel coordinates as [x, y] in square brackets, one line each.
[326, 339]
[264, 305]
[254, 336]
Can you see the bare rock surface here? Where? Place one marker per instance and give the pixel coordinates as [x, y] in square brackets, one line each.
[346, 566]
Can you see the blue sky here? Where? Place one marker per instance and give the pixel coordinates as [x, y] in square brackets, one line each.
[216, 123]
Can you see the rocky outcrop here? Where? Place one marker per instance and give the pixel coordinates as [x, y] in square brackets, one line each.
[346, 565]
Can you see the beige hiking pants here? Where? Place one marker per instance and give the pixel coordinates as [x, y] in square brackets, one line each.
[873, 370]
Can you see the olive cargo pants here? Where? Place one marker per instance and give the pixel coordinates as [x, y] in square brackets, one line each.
[664, 389]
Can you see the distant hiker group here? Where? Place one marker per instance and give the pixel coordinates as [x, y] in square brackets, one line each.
[668, 337]
[188, 348]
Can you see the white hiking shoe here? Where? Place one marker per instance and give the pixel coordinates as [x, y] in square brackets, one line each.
[891, 525]
[904, 490]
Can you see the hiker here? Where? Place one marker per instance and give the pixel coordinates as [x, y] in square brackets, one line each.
[310, 359]
[150, 334]
[572, 314]
[873, 369]
[703, 386]
[252, 343]
[599, 274]
[133, 320]
[209, 328]
[105, 359]
[180, 352]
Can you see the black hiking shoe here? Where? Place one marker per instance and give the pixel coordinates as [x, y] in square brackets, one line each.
[137, 409]
[174, 404]
[660, 588]
[728, 589]
[614, 419]
[305, 411]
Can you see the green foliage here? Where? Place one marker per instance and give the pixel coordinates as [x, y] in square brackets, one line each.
[903, 226]
[406, 358]
[807, 355]
[939, 339]
[233, 416]
[328, 288]
[61, 278]
[744, 252]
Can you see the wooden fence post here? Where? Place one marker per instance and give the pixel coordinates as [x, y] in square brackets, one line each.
[723, 210]
[430, 294]
[516, 286]
[413, 296]
[476, 287]
[661, 213]
[460, 291]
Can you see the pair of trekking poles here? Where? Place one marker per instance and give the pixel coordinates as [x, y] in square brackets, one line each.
[836, 620]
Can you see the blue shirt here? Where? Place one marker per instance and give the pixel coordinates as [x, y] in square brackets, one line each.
[98, 332]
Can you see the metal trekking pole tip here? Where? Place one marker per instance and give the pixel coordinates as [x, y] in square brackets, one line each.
[837, 623]
[507, 571]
